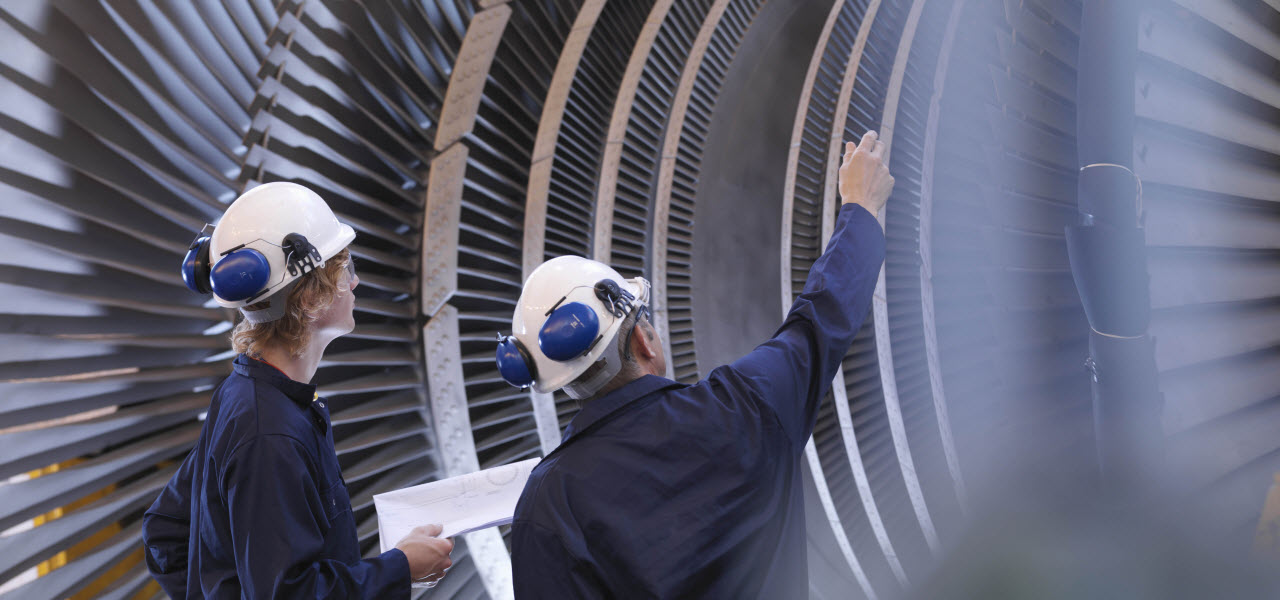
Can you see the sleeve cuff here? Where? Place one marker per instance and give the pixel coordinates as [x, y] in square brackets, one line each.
[854, 208]
[866, 226]
[398, 570]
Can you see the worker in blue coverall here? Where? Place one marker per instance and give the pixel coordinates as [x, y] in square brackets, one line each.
[666, 490]
[259, 508]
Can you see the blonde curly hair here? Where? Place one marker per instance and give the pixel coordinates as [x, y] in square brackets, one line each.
[313, 293]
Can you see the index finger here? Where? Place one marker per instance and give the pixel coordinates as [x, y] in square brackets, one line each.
[868, 141]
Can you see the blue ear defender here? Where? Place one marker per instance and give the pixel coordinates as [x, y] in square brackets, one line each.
[514, 363]
[570, 331]
[195, 266]
[240, 274]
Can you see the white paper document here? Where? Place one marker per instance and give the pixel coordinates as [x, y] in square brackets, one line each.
[461, 504]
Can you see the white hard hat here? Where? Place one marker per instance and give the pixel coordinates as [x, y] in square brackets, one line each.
[270, 236]
[567, 319]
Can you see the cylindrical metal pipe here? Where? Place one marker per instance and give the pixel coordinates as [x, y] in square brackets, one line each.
[1105, 110]
[1108, 249]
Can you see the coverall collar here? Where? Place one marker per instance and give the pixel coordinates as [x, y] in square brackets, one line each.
[601, 408]
[302, 393]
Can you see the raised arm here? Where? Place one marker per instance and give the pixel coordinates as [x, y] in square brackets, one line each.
[793, 370]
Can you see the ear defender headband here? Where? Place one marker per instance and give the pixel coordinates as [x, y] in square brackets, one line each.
[571, 330]
[242, 273]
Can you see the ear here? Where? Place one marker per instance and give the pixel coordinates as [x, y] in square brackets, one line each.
[644, 341]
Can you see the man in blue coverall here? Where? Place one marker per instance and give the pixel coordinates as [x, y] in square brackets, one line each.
[666, 490]
[259, 508]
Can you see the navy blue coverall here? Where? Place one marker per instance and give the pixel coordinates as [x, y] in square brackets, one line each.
[666, 490]
[259, 508]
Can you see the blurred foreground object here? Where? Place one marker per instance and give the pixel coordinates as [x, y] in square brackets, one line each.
[1266, 542]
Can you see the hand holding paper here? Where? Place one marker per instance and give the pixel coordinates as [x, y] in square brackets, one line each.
[428, 554]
